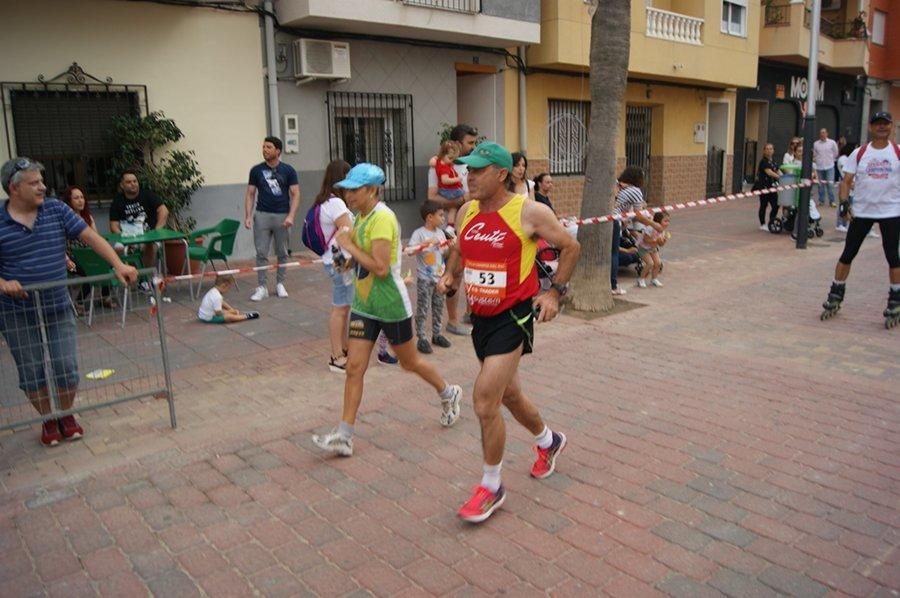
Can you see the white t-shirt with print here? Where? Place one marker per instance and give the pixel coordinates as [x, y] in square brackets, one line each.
[210, 305]
[876, 182]
[332, 209]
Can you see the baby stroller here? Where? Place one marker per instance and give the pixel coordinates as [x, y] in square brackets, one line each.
[789, 202]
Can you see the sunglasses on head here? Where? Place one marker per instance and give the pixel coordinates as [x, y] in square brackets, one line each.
[20, 165]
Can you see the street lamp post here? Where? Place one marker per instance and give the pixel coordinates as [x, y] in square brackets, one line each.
[809, 125]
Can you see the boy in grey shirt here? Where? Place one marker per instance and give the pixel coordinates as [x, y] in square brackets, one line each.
[429, 269]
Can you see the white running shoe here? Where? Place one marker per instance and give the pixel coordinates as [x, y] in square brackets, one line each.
[618, 291]
[641, 283]
[764, 227]
[334, 443]
[281, 291]
[656, 282]
[450, 407]
[259, 294]
[873, 234]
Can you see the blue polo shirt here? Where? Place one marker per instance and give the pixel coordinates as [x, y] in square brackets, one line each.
[273, 187]
[38, 254]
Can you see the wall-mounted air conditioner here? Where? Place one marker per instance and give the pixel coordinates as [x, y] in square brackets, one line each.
[321, 59]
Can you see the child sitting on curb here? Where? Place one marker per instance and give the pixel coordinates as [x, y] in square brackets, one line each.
[214, 309]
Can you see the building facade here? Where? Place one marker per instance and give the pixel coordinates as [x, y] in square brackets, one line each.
[883, 85]
[202, 68]
[687, 57]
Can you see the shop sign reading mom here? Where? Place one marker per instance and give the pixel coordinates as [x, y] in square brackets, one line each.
[800, 91]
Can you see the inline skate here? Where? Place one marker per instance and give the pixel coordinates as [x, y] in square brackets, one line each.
[833, 303]
[892, 312]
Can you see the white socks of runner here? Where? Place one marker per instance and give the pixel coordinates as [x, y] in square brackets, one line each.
[491, 477]
[447, 392]
[345, 430]
[544, 439]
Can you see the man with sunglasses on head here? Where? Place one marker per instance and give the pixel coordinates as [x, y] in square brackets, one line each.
[33, 235]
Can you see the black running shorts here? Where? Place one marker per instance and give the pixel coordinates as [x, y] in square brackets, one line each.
[367, 329]
[505, 332]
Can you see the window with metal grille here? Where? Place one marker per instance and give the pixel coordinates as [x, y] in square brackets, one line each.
[375, 128]
[567, 135]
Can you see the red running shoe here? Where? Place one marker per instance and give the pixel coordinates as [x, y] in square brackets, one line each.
[546, 458]
[50, 435]
[482, 504]
[70, 428]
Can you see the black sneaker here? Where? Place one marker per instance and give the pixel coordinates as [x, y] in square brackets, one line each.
[423, 346]
[251, 315]
[441, 341]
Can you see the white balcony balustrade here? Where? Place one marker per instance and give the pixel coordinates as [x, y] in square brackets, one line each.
[674, 27]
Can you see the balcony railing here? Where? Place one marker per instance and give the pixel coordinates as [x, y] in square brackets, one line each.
[465, 6]
[778, 14]
[674, 27]
[855, 29]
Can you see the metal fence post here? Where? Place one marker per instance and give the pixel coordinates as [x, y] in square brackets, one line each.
[45, 351]
[167, 373]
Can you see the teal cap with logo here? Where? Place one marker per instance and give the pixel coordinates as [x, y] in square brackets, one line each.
[486, 154]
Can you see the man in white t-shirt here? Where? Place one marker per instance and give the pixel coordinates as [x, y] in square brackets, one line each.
[873, 171]
[825, 154]
[466, 136]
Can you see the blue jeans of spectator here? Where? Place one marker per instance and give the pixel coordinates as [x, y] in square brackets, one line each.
[826, 178]
[614, 263]
[21, 328]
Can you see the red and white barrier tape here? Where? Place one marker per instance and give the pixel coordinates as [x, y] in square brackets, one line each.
[416, 249]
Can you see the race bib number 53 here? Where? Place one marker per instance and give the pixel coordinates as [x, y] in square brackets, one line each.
[485, 280]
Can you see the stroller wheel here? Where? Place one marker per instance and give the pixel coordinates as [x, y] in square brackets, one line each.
[775, 226]
[819, 232]
[810, 233]
[638, 267]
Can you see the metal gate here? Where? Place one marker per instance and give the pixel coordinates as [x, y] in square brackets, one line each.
[715, 162]
[66, 124]
[750, 154]
[638, 126]
[375, 128]
[783, 124]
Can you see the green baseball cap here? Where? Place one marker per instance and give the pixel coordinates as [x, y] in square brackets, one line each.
[488, 153]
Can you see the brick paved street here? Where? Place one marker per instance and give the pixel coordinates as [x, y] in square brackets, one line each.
[723, 441]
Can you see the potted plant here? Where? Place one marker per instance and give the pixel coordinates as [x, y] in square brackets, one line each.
[144, 144]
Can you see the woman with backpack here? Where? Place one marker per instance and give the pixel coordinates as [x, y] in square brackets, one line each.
[332, 213]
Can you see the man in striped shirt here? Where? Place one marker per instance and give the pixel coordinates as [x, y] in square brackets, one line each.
[33, 234]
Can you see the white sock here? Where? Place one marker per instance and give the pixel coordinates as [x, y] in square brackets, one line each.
[895, 287]
[840, 282]
[491, 477]
[544, 439]
[447, 392]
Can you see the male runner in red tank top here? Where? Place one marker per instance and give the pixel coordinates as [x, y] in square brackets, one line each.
[495, 255]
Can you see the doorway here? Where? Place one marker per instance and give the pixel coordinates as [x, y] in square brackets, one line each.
[756, 126]
[716, 142]
[476, 102]
[638, 129]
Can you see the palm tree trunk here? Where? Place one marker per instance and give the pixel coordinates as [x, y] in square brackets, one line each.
[610, 47]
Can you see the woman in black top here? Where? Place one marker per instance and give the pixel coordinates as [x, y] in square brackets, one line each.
[543, 185]
[767, 175]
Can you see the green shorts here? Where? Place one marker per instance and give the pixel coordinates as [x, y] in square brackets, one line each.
[642, 251]
[216, 319]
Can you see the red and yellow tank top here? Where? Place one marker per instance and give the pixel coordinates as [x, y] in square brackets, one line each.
[498, 259]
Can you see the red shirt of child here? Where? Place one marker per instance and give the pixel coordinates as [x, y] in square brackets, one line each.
[441, 168]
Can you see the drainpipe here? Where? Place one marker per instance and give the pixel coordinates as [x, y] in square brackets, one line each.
[271, 70]
[523, 112]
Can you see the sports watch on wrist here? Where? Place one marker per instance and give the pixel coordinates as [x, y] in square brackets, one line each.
[562, 289]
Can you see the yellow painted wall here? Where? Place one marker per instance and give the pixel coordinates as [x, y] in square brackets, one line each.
[722, 60]
[676, 109]
[201, 67]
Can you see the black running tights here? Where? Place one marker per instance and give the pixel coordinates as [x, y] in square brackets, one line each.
[890, 237]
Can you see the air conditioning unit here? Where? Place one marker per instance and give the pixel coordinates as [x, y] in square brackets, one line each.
[321, 59]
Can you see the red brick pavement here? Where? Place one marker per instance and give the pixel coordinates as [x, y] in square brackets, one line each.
[723, 441]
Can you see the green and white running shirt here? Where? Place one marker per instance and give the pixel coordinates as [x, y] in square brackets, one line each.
[383, 299]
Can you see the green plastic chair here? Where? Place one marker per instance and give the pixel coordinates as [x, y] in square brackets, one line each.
[218, 245]
[93, 265]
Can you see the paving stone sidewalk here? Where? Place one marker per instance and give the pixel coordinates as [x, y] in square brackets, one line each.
[723, 441]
